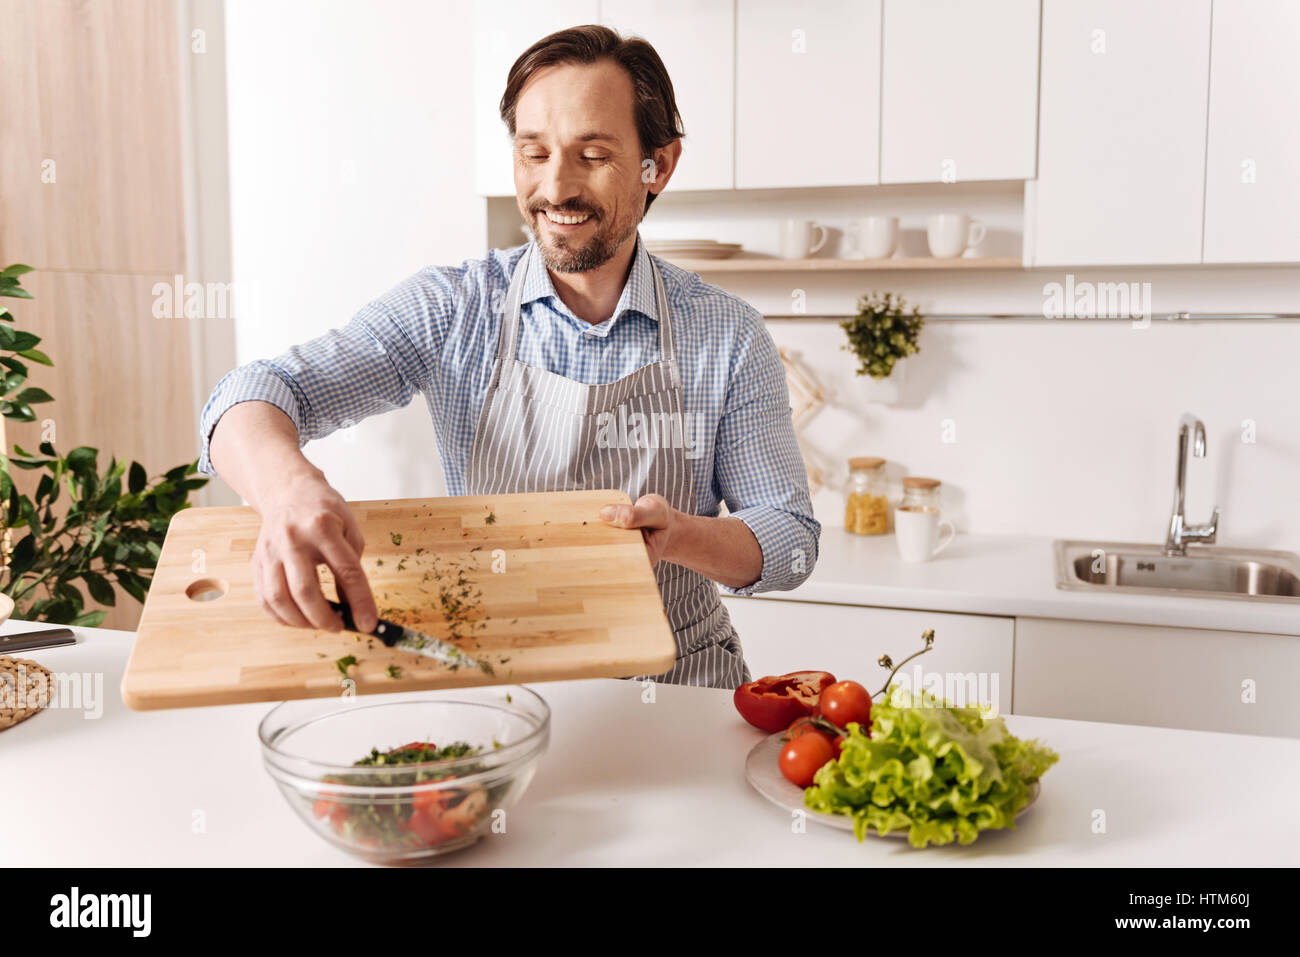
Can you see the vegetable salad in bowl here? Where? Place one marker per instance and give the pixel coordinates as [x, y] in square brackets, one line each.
[468, 755]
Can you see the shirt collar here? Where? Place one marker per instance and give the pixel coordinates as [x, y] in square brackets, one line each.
[638, 292]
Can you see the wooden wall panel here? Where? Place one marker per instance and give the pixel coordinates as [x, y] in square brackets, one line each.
[94, 87]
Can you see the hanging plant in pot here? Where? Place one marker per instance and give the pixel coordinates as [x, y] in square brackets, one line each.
[881, 335]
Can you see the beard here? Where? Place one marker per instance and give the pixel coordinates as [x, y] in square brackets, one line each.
[566, 255]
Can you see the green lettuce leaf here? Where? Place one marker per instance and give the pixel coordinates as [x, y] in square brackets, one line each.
[939, 772]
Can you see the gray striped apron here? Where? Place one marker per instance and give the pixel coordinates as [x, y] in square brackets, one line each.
[542, 432]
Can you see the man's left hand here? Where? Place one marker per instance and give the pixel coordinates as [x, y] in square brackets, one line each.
[650, 513]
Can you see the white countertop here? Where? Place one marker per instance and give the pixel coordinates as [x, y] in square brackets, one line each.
[1007, 575]
[623, 783]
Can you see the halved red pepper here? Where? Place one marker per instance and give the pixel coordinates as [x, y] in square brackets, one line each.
[771, 703]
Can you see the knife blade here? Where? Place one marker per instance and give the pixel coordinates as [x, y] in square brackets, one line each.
[417, 642]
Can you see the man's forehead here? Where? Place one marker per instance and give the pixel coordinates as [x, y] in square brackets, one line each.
[588, 102]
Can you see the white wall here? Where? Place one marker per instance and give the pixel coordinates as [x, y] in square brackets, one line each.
[350, 168]
[1063, 428]
[1068, 428]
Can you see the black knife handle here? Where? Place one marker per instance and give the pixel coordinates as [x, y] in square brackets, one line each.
[388, 632]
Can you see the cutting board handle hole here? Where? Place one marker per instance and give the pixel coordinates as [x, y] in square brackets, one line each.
[206, 589]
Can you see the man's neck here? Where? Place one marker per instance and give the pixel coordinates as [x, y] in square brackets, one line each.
[592, 295]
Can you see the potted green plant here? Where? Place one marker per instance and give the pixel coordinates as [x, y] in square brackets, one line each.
[881, 335]
[107, 536]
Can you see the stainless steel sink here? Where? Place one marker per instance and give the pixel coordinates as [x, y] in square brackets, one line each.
[1206, 571]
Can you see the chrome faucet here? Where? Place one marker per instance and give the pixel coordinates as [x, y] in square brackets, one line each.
[1180, 533]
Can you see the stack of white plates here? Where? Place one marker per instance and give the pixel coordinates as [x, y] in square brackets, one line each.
[692, 248]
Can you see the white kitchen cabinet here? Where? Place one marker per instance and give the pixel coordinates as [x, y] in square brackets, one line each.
[1252, 176]
[959, 94]
[696, 40]
[1121, 137]
[972, 654]
[1168, 677]
[503, 29]
[807, 93]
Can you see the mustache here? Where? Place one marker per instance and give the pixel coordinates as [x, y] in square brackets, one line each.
[568, 209]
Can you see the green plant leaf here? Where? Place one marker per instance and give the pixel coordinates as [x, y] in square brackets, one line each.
[20, 411]
[132, 584]
[16, 292]
[16, 340]
[61, 612]
[36, 355]
[34, 395]
[91, 619]
[29, 464]
[9, 362]
[138, 478]
[99, 588]
[24, 554]
[83, 459]
[16, 270]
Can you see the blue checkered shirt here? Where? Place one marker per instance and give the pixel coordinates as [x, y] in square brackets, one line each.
[436, 334]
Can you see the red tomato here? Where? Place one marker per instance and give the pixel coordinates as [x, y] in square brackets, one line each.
[425, 828]
[771, 703]
[845, 702]
[801, 758]
[326, 807]
[414, 746]
[802, 726]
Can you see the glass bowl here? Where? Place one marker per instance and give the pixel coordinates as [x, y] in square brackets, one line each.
[405, 813]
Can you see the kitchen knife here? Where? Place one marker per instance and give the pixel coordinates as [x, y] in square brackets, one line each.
[408, 639]
[31, 640]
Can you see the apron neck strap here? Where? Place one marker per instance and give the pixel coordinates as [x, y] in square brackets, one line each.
[508, 341]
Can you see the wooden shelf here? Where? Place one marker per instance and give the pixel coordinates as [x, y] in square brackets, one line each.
[775, 264]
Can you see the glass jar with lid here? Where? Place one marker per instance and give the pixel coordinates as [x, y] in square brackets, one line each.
[920, 494]
[866, 509]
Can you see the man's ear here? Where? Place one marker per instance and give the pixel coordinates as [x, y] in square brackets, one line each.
[658, 169]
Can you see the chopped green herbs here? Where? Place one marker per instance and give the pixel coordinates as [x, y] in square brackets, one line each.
[422, 753]
[396, 537]
[344, 663]
[393, 671]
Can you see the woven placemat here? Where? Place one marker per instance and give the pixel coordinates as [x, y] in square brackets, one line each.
[24, 690]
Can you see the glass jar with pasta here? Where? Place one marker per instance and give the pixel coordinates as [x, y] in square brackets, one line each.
[866, 509]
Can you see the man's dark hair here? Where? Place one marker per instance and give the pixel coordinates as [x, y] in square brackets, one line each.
[657, 121]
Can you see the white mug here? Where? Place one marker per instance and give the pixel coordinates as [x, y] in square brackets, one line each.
[951, 234]
[916, 529]
[797, 238]
[874, 237]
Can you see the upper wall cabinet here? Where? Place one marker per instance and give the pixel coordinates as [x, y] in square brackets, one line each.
[1252, 177]
[696, 39]
[503, 29]
[807, 93]
[1121, 148]
[959, 97]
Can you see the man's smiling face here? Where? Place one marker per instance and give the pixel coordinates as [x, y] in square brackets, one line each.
[578, 162]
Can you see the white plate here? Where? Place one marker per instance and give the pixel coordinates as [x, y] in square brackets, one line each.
[764, 774]
[698, 252]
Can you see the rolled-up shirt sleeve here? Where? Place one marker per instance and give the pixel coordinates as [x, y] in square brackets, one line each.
[758, 466]
[369, 366]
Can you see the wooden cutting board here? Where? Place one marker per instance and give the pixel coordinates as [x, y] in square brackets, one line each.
[547, 591]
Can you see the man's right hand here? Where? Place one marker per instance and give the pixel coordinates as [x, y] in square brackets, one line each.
[306, 523]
